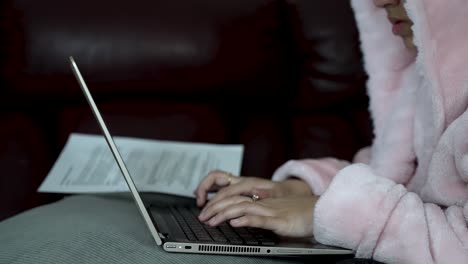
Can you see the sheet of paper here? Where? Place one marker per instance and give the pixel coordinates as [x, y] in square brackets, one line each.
[86, 165]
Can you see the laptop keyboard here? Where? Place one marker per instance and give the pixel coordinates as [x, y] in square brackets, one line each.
[187, 218]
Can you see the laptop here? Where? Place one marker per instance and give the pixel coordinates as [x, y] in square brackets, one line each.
[173, 223]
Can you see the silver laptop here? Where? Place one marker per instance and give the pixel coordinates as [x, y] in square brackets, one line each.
[173, 223]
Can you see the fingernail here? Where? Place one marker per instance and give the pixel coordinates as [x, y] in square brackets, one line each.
[201, 216]
[211, 222]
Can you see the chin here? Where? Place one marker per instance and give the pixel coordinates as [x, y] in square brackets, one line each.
[409, 43]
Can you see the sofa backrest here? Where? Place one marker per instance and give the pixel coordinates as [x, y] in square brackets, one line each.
[272, 66]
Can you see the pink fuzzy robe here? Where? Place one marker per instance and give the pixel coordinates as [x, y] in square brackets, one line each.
[405, 199]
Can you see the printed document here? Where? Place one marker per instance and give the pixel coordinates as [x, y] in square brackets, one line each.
[86, 165]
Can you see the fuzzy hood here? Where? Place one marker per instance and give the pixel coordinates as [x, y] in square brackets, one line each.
[430, 86]
[439, 34]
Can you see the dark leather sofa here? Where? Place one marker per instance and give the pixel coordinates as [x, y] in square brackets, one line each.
[282, 77]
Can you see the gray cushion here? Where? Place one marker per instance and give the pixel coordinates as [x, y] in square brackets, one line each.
[92, 229]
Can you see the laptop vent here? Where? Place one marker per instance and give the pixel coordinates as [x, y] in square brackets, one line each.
[228, 249]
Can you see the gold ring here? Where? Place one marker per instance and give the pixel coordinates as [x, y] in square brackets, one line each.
[254, 198]
[229, 175]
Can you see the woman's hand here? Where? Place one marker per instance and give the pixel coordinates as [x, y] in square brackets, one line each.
[228, 186]
[289, 216]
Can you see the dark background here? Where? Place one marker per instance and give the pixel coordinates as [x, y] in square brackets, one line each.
[284, 78]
